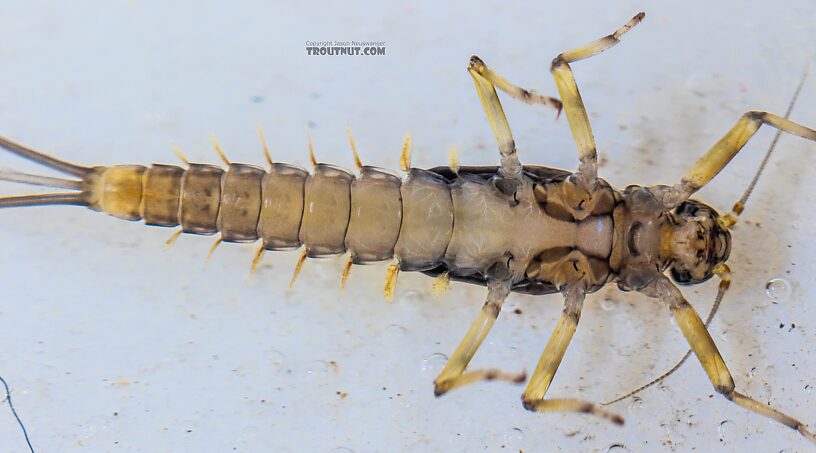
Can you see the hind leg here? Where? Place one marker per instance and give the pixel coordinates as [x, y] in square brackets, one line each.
[454, 375]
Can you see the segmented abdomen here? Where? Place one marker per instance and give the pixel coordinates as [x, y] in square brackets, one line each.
[375, 216]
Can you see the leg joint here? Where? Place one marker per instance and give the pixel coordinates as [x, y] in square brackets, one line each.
[557, 62]
[474, 62]
[725, 390]
[440, 388]
[756, 115]
[528, 403]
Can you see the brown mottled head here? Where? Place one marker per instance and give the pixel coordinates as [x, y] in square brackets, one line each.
[698, 243]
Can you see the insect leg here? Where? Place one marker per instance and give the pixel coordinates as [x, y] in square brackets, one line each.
[533, 396]
[727, 221]
[453, 375]
[710, 358]
[716, 158]
[724, 272]
[573, 104]
[521, 94]
[510, 165]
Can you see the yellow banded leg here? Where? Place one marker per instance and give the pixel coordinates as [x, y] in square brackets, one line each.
[453, 375]
[573, 104]
[510, 165]
[716, 158]
[724, 272]
[710, 358]
[521, 94]
[533, 397]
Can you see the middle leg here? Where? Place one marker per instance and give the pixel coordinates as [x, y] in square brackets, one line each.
[533, 397]
[573, 104]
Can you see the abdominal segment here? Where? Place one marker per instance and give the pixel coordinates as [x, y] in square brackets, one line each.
[424, 221]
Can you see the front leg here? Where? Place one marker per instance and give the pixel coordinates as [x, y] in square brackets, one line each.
[716, 158]
[710, 358]
[510, 165]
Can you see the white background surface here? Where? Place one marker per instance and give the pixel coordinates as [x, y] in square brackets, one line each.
[111, 344]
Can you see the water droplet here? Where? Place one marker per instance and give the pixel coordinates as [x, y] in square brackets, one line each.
[394, 332]
[257, 99]
[513, 439]
[617, 447]
[725, 429]
[778, 289]
[411, 296]
[432, 365]
[608, 304]
[635, 405]
[341, 450]
[275, 359]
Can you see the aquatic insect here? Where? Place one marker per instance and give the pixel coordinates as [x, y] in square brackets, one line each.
[511, 228]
